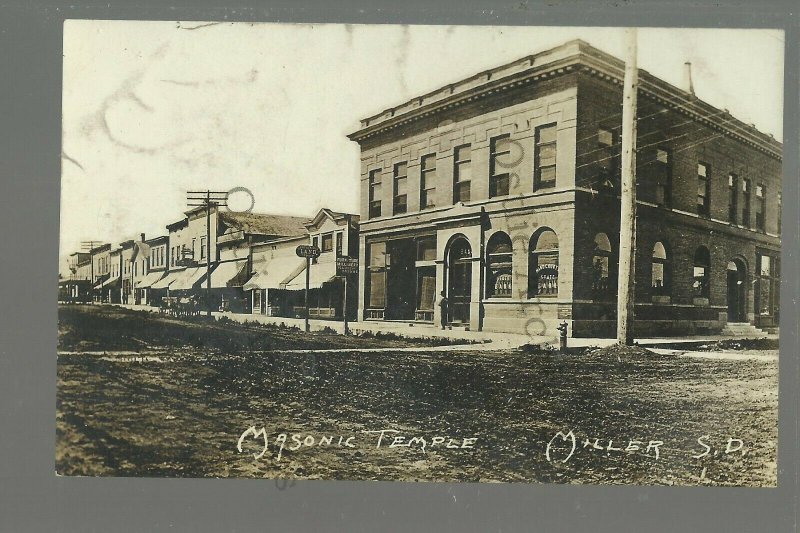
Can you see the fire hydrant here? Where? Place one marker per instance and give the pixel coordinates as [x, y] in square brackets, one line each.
[562, 337]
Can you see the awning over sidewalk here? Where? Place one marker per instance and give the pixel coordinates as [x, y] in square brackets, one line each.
[229, 274]
[110, 282]
[168, 280]
[274, 273]
[149, 280]
[321, 273]
[189, 278]
[100, 281]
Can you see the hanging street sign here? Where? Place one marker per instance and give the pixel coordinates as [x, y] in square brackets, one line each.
[307, 251]
[346, 266]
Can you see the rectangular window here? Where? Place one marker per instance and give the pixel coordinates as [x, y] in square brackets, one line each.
[663, 177]
[746, 203]
[499, 153]
[427, 181]
[327, 242]
[733, 198]
[761, 207]
[545, 157]
[779, 213]
[400, 193]
[426, 288]
[339, 238]
[703, 190]
[606, 162]
[203, 249]
[462, 173]
[375, 193]
[426, 249]
[377, 275]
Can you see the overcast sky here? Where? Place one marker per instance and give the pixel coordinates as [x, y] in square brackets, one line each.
[151, 109]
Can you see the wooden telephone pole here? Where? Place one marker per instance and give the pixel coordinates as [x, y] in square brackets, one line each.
[627, 233]
[208, 199]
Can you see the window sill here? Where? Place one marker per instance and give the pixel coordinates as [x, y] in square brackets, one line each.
[661, 299]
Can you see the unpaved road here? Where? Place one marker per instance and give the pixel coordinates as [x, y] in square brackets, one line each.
[181, 412]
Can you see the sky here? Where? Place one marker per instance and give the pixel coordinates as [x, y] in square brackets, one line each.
[153, 109]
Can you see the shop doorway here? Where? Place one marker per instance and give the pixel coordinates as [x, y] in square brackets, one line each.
[736, 275]
[459, 281]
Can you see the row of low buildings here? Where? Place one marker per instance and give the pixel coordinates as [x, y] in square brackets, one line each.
[251, 260]
[501, 191]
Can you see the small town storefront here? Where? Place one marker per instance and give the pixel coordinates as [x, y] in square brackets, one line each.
[267, 285]
[144, 288]
[227, 280]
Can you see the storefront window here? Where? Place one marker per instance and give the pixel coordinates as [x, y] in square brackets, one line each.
[601, 259]
[701, 273]
[498, 276]
[543, 265]
[659, 280]
[377, 275]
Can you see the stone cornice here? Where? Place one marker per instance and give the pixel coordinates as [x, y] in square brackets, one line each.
[574, 56]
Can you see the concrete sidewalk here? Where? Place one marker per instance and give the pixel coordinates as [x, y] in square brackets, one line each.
[488, 340]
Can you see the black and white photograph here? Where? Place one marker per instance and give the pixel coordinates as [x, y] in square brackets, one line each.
[384, 252]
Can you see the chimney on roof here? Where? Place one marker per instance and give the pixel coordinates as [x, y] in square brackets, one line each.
[688, 86]
[142, 237]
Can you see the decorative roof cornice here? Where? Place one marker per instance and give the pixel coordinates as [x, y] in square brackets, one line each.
[574, 56]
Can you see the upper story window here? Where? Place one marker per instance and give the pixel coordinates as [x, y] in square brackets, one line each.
[203, 247]
[779, 212]
[733, 198]
[663, 171]
[327, 242]
[606, 161]
[315, 244]
[462, 173]
[746, 203]
[427, 181]
[545, 157]
[499, 153]
[339, 238]
[375, 193]
[761, 207]
[703, 190]
[400, 194]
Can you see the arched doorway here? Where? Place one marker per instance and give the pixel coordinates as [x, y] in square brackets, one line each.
[459, 281]
[736, 276]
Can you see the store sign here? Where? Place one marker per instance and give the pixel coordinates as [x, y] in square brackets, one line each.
[346, 266]
[307, 251]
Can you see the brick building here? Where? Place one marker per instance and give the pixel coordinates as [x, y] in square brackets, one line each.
[502, 192]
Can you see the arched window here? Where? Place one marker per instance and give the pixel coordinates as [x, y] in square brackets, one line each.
[701, 272]
[543, 265]
[498, 266]
[601, 258]
[659, 278]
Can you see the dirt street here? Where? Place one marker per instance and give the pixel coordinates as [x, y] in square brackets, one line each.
[170, 398]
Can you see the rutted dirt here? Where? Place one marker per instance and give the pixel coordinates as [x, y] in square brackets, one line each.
[185, 418]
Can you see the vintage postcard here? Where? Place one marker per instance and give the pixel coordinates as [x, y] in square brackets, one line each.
[420, 253]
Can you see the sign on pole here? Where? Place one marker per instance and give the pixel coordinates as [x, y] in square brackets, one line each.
[346, 266]
[309, 252]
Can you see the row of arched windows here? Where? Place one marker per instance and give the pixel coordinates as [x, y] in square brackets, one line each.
[543, 267]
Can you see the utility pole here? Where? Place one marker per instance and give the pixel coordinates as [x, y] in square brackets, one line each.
[206, 199]
[89, 246]
[627, 233]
